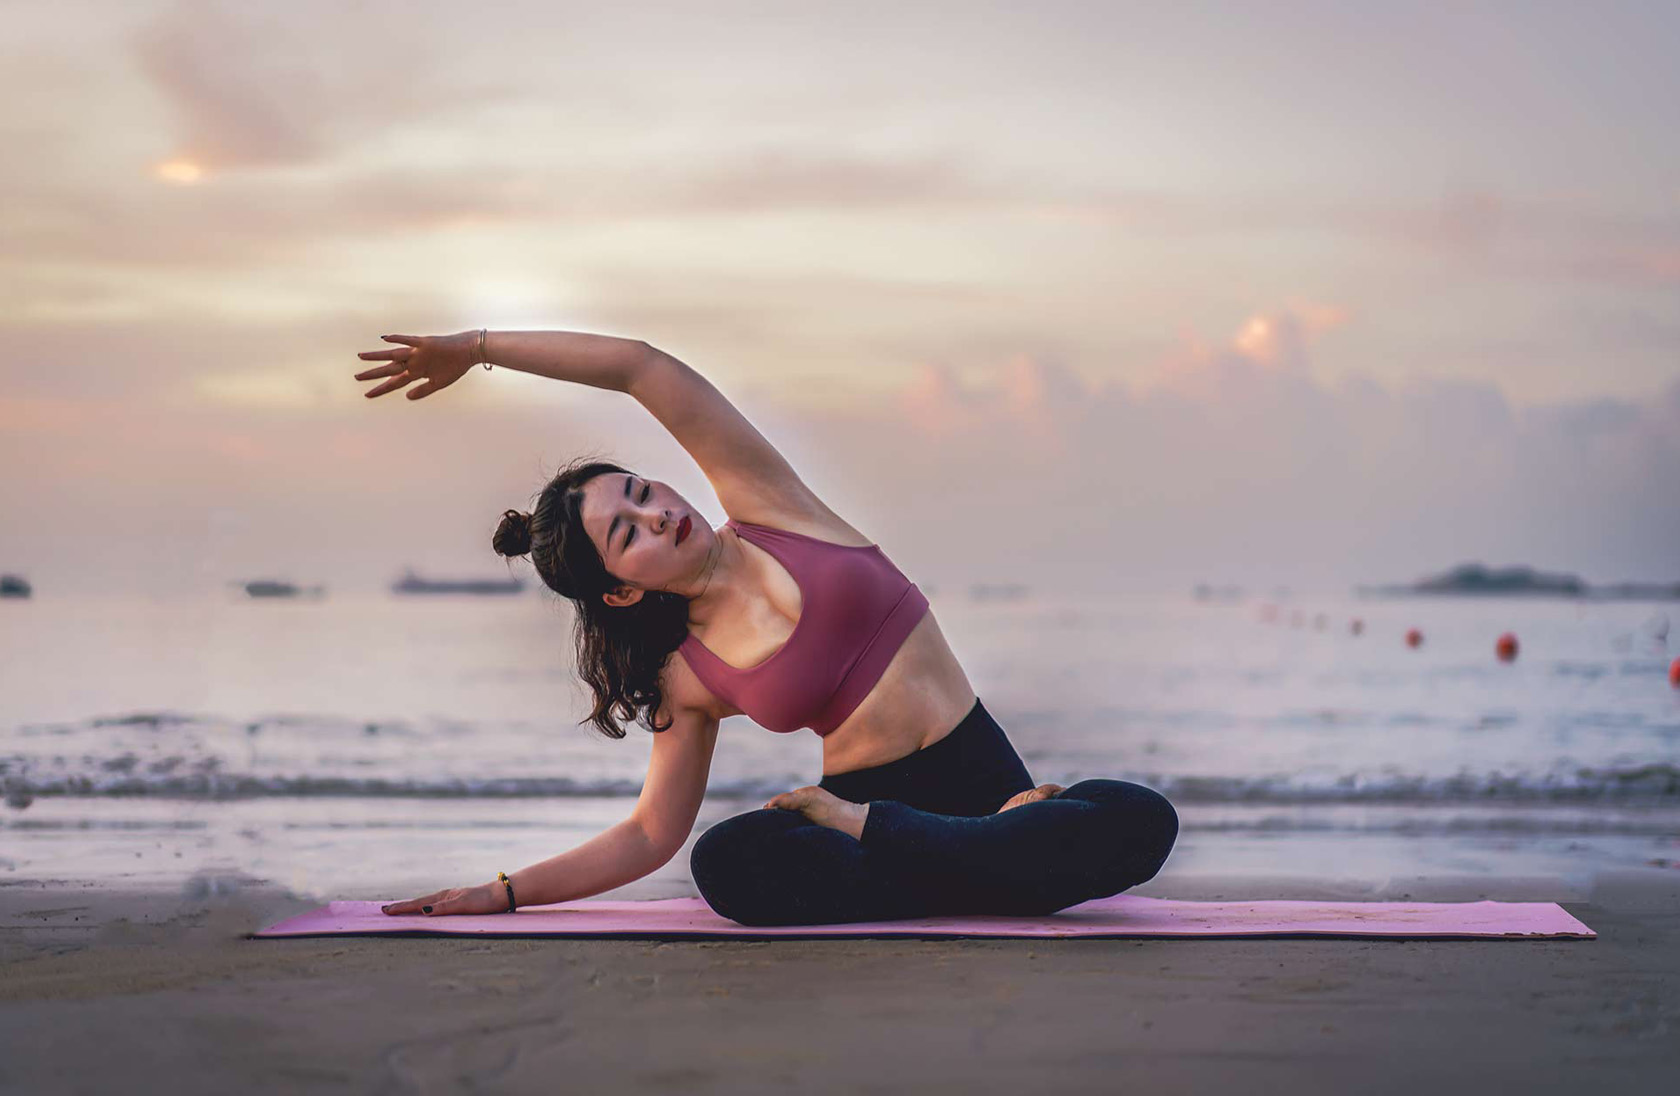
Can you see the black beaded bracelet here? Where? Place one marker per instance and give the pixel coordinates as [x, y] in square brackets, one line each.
[508, 883]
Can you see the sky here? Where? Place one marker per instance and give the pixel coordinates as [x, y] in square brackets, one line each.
[1087, 296]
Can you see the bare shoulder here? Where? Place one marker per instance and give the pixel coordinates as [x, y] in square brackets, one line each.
[752, 479]
[682, 690]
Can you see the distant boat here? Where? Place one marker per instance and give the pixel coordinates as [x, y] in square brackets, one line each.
[14, 586]
[265, 587]
[412, 583]
[1207, 592]
[999, 591]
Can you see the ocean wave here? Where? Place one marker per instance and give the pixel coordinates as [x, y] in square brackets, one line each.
[1656, 783]
[1437, 820]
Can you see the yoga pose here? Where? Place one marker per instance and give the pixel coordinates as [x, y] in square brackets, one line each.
[792, 617]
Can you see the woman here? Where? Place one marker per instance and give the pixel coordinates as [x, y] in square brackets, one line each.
[791, 616]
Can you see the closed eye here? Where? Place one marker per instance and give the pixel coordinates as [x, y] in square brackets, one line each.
[647, 489]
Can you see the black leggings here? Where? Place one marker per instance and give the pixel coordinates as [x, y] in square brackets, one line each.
[933, 845]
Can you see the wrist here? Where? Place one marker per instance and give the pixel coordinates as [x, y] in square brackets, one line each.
[469, 342]
[506, 898]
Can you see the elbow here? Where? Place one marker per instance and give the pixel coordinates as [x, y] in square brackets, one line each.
[659, 849]
[643, 361]
[646, 352]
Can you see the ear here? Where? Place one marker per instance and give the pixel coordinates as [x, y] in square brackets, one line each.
[622, 596]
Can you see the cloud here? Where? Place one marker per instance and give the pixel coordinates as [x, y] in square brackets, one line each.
[1218, 465]
[1222, 464]
[229, 223]
[252, 86]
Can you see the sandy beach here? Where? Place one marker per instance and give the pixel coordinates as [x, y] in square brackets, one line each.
[107, 990]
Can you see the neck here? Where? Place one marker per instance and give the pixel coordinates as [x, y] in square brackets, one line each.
[719, 578]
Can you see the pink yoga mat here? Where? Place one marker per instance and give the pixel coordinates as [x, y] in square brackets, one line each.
[1121, 915]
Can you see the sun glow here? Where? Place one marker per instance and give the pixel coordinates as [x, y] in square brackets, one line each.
[183, 172]
[514, 303]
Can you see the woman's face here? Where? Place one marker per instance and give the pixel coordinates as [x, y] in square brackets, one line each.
[634, 522]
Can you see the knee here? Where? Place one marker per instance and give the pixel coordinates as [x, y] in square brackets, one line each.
[733, 861]
[730, 847]
[1145, 822]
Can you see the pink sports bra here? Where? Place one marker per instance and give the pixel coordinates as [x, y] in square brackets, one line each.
[856, 611]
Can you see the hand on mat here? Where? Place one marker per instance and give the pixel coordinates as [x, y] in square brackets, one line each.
[824, 808]
[1032, 795]
[484, 898]
[440, 359]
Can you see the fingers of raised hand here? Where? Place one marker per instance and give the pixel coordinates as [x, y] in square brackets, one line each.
[389, 354]
[391, 385]
[399, 359]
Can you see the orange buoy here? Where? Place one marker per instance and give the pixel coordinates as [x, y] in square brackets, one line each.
[1414, 638]
[1674, 673]
[1506, 648]
[1357, 626]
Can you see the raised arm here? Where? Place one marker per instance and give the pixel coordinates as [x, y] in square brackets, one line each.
[438, 361]
[753, 481]
[751, 478]
[600, 361]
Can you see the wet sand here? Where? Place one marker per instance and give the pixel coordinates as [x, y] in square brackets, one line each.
[107, 991]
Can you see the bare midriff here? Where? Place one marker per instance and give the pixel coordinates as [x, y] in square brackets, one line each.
[920, 698]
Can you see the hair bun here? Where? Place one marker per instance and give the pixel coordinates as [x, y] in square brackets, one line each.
[513, 535]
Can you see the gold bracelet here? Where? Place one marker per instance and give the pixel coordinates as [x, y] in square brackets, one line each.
[483, 333]
[501, 877]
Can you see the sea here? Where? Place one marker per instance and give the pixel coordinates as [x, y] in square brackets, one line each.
[373, 745]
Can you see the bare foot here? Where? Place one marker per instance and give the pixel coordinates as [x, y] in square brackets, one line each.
[1032, 795]
[824, 808]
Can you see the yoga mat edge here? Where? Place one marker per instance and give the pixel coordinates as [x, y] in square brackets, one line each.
[1118, 916]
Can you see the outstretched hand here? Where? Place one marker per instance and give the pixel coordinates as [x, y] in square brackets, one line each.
[485, 898]
[437, 361]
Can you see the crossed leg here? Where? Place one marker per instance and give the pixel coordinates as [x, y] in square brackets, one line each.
[1095, 839]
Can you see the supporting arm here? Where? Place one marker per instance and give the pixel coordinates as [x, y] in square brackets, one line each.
[618, 855]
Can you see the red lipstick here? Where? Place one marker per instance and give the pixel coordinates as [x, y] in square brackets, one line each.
[683, 527]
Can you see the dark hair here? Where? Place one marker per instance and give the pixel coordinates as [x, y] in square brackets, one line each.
[620, 649]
